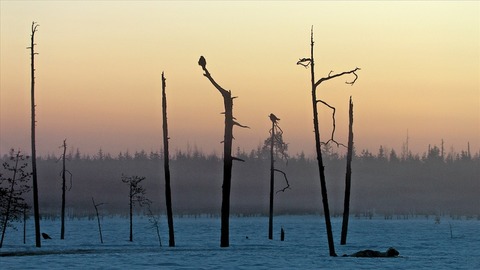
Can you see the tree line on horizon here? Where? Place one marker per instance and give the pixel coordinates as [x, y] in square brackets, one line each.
[433, 152]
[375, 172]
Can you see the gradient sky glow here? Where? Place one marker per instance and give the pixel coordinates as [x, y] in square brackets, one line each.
[99, 66]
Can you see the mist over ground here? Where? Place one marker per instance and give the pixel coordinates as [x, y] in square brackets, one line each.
[382, 183]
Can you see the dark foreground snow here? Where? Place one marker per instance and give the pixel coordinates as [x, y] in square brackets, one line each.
[422, 243]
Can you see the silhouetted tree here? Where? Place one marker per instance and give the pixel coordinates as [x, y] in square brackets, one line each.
[98, 219]
[227, 153]
[348, 177]
[64, 187]
[315, 83]
[34, 155]
[275, 143]
[166, 160]
[155, 224]
[12, 188]
[137, 194]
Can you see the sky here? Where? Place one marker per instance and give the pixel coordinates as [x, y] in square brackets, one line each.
[98, 73]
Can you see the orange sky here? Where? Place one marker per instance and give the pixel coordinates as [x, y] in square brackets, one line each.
[99, 66]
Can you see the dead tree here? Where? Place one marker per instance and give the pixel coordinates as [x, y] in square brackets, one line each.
[137, 194]
[12, 188]
[36, 210]
[348, 177]
[314, 84]
[168, 193]
[64, 188]
[227, 153]
[98, 219]
[155, 223]
[275, 143]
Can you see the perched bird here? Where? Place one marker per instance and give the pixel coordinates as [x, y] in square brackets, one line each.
[202, 62]
[274, 118]
[46, 236]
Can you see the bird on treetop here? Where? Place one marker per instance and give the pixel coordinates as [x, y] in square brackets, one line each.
[274, 118]
[202, 62]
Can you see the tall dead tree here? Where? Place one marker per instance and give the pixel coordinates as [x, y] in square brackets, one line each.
[348, 177]
[36, 210]
[63, 173]
[168, 193]
[273, 118]
[315, 83]
[275, 143]
[227, 153]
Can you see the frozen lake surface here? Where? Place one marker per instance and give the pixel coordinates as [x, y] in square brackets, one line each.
[422, 243]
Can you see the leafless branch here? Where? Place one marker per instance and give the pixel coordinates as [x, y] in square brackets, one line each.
[279, 128]
[97, 204]
[286, 180]
[238, 159]
[305, 62]
[240, 125]
[354, 80]
[71, 178]
[333, 122]
[330, 76]
[209, 77]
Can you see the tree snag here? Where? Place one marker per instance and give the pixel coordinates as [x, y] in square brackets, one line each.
[310, 62]
[64, 188]
[348, 177]
[276, 143]
[36, 210]
[227, 153]
[98, 219]
[166, 159]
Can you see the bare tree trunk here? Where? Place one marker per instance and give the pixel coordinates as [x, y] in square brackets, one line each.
[318, 149]
[348, 177]
[305, 62]
[227, 154]
[62, 230]
[98, 220]
[131, 213]
[34, 155]
[25, 225]
[168, 193]
[272, 182]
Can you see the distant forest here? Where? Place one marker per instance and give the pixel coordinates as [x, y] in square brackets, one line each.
[384, 183]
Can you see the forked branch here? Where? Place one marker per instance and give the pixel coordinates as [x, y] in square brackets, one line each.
[330, 76]
[332, 138]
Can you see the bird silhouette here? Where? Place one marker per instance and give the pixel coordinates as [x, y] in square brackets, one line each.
[46, 236]
[274, 118]
[202, 62]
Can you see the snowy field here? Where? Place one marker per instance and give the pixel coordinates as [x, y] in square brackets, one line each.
[422, 243]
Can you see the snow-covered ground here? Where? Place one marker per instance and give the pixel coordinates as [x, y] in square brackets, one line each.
[422, 243]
